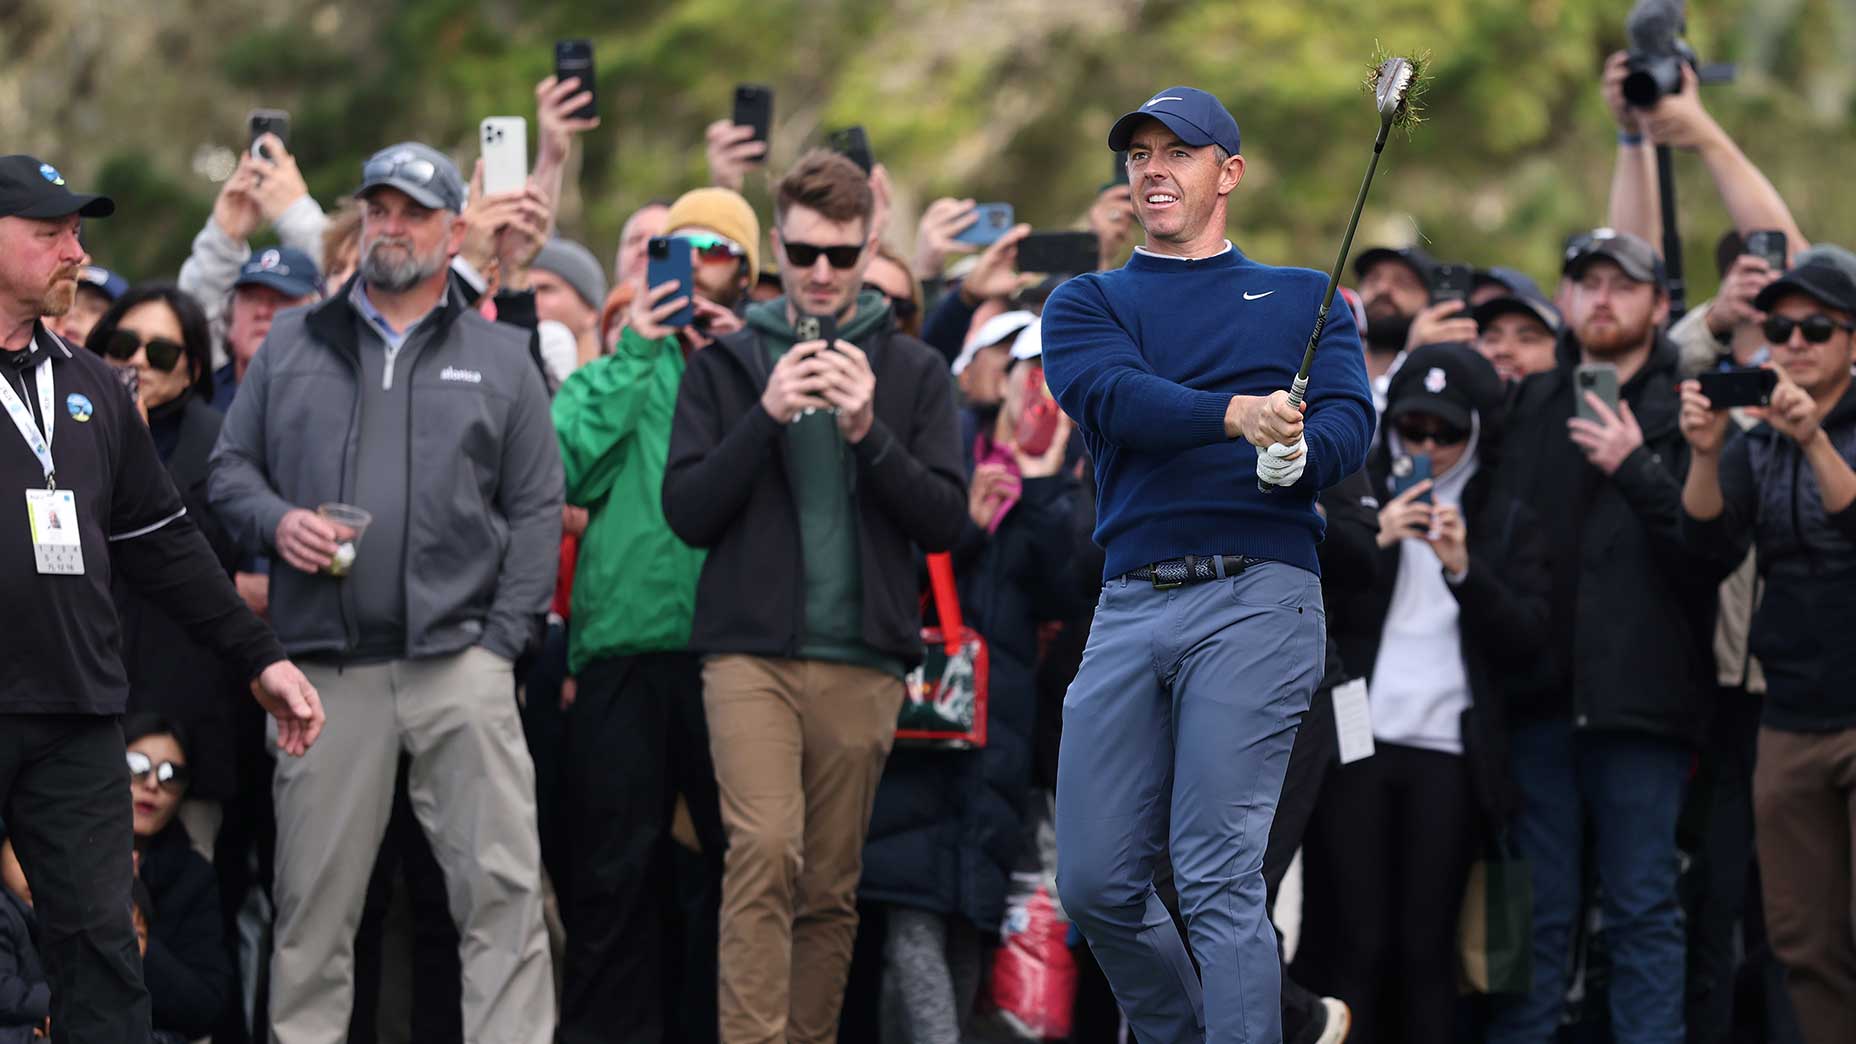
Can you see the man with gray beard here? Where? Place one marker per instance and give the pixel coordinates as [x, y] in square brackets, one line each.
[397, 399]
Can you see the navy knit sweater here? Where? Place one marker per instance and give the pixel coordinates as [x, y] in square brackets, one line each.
[1146, 358]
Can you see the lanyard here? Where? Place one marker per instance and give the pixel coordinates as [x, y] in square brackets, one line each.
[41, 445]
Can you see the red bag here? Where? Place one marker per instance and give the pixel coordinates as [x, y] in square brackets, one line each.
[945, 702]
[1033, 973]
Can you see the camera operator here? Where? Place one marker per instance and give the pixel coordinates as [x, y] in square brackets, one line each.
[1787, 487]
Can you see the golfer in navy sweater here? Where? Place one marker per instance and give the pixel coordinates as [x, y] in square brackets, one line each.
[1210, 634]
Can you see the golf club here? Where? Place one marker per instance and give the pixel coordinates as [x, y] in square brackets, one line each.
[1395, 85]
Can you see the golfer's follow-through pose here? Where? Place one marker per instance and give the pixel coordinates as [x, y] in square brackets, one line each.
[1209, 637]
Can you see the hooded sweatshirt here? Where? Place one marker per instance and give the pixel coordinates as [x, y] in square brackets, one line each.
[823, 473]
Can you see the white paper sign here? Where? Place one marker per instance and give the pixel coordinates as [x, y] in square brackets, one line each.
[1353, 721]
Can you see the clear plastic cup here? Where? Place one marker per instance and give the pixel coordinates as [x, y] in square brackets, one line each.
[352, 519]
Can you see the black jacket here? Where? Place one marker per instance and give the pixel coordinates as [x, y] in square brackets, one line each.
[947, 825]
[169, 672]
[1502, 607]
[1804, 631]
[725, 489]
[25, 995]
[188, 966]
[1632, 610]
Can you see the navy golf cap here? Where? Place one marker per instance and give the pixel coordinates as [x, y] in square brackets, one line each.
[1198, 118]
[30, 188]
[287, 270]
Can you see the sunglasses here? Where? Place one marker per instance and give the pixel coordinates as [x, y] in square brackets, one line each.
[171, 775]
[400, 167]
[1816, 328]
[805, 255]
[1413, 433]
[714, 249]
[163, 354]
[903, 308]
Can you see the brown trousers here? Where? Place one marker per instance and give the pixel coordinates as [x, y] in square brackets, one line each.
[799, 746]
[1804, 802]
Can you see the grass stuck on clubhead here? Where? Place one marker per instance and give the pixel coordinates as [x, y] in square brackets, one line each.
[1397, 85]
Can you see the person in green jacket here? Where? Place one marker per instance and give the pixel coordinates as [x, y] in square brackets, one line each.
[637, 740]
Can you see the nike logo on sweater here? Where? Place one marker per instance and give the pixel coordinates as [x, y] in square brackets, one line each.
[1248, 296]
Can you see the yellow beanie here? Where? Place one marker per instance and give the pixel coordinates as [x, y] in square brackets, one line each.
[723, 211]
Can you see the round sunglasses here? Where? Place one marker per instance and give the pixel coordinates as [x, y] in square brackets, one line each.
[163, 354]
[172, 775]
[1816, 328]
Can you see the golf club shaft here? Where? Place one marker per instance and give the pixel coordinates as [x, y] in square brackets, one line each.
[1298, 392]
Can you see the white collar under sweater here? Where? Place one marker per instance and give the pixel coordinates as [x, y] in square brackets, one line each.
[1175, 257]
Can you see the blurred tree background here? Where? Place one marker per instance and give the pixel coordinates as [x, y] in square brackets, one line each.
[1007, 100]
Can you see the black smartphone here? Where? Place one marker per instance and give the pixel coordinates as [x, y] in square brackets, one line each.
[268, 121]
[1452, 282]
[1120, 176]
[1072, 253]
[1769, 245]
[573, 60]
[1726, 389]
[853, 143]
[667, 260]
[817, 328]
[754, 108]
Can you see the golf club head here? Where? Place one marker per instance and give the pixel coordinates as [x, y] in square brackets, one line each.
[1392, 83]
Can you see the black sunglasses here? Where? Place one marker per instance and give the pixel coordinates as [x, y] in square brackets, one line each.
[1816, 328]
[903, 308]
[805, 255]
[172, 775]
[162, 353]
[1413, 433]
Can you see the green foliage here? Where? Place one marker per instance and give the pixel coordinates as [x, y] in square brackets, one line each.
[995, 101]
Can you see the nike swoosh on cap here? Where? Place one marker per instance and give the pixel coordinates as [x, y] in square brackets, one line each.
[1248, 296]
[1156, 101]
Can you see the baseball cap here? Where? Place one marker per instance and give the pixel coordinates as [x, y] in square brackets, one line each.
[287, 270]
[102, 280]
[1451, 382]
[1197, 117]
[420, 171]
[1631, 253]
[30, 188]
[576, 266]
[1412, 257]
[991, 332]
[1527, 300]
[1513, 280]
[1826, 284]
[1030, 343]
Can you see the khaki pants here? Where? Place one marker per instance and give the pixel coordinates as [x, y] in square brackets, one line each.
[1804, 807]
[798, 747]
[473, 789]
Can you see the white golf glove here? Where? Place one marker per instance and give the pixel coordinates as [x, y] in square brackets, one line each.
[1281, 465]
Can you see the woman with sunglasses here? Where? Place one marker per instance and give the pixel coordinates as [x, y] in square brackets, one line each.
[890, 276]
[160, 333]
[188, 966]
[1460, 602]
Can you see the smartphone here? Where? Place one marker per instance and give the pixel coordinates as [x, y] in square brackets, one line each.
[1120, 175]
[1601, 378]
[1410, 470]
[817, 328]
[1770, 245]
[1726, 389]
[268, 121]
[852, 142]
[667, 260]
[505, 154]
[1037, 425]
[1451, 282]
[573, 60]
[1072, 253]
[991, 220]
[754, 108]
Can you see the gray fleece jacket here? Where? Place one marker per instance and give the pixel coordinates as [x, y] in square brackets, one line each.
[482, 518]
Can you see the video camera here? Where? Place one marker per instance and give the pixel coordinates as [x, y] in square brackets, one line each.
[1658, 52]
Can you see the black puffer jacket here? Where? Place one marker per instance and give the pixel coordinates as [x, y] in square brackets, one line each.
[948, 824]
[188, 966]
[1632, 609]
[1804, 631]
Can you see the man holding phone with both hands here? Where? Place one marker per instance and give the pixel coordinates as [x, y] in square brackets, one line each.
[1210, 635]
[1787, 487]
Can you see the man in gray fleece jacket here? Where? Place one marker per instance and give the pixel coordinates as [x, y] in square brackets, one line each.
[396, 398]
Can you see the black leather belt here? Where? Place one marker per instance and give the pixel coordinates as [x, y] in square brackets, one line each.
[1178, 572]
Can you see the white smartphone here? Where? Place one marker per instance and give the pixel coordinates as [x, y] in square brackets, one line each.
[505, 154]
